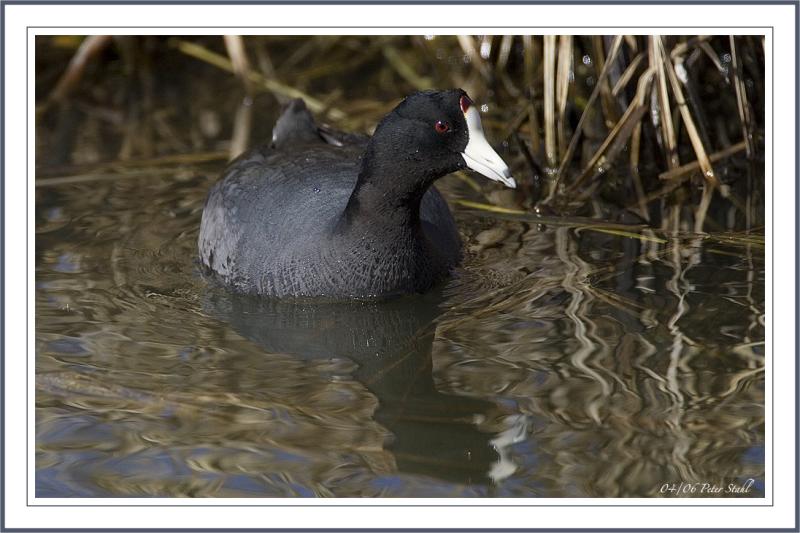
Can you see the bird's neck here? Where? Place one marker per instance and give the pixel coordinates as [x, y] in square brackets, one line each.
[381, 226]
[372, 206]
[384, 199]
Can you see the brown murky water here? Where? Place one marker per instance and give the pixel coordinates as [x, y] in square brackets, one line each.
[560, 361]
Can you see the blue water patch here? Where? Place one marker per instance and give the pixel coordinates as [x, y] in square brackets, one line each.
[67, 264]
[153, 463]
[302, 491]
[51, 483]
[389, 483]
[67, 346]
[754, 455]
[244, 483]
[283, 455]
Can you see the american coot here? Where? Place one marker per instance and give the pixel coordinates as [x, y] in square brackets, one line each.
[321, 213]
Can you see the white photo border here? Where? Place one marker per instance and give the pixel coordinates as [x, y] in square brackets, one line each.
[22, 22]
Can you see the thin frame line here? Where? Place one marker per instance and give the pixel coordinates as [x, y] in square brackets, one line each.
[796, 256]
[410, 530]
[409, 2]
[772, 504]
[3, 272]
[401, 27]
[27, 269]
[301, 2]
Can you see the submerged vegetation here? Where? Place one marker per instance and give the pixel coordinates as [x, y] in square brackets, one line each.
[665, 131]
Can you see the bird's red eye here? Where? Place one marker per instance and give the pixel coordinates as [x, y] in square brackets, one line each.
[442, 127]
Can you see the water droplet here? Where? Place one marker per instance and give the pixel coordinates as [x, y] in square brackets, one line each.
[484, 108]
[316, 189]
[680, 71]
[587, 60]
[486, 49]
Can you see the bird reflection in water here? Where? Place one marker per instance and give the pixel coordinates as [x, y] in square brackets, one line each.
[433, 433]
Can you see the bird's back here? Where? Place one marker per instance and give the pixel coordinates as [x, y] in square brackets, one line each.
[271, 210]
[268, 225]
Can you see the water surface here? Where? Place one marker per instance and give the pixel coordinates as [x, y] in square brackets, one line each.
[559, 362]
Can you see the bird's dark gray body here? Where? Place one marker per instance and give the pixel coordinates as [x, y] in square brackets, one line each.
[275, 225]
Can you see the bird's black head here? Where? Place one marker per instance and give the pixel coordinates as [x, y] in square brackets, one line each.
[428, 135]
[429, 129]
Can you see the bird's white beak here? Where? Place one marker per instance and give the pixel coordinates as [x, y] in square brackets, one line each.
[479, 156]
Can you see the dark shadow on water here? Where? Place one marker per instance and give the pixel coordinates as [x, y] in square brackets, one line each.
[433, 433]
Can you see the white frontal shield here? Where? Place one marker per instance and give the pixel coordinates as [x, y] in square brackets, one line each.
[479, 156]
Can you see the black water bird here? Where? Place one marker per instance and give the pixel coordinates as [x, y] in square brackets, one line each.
[321, 213]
